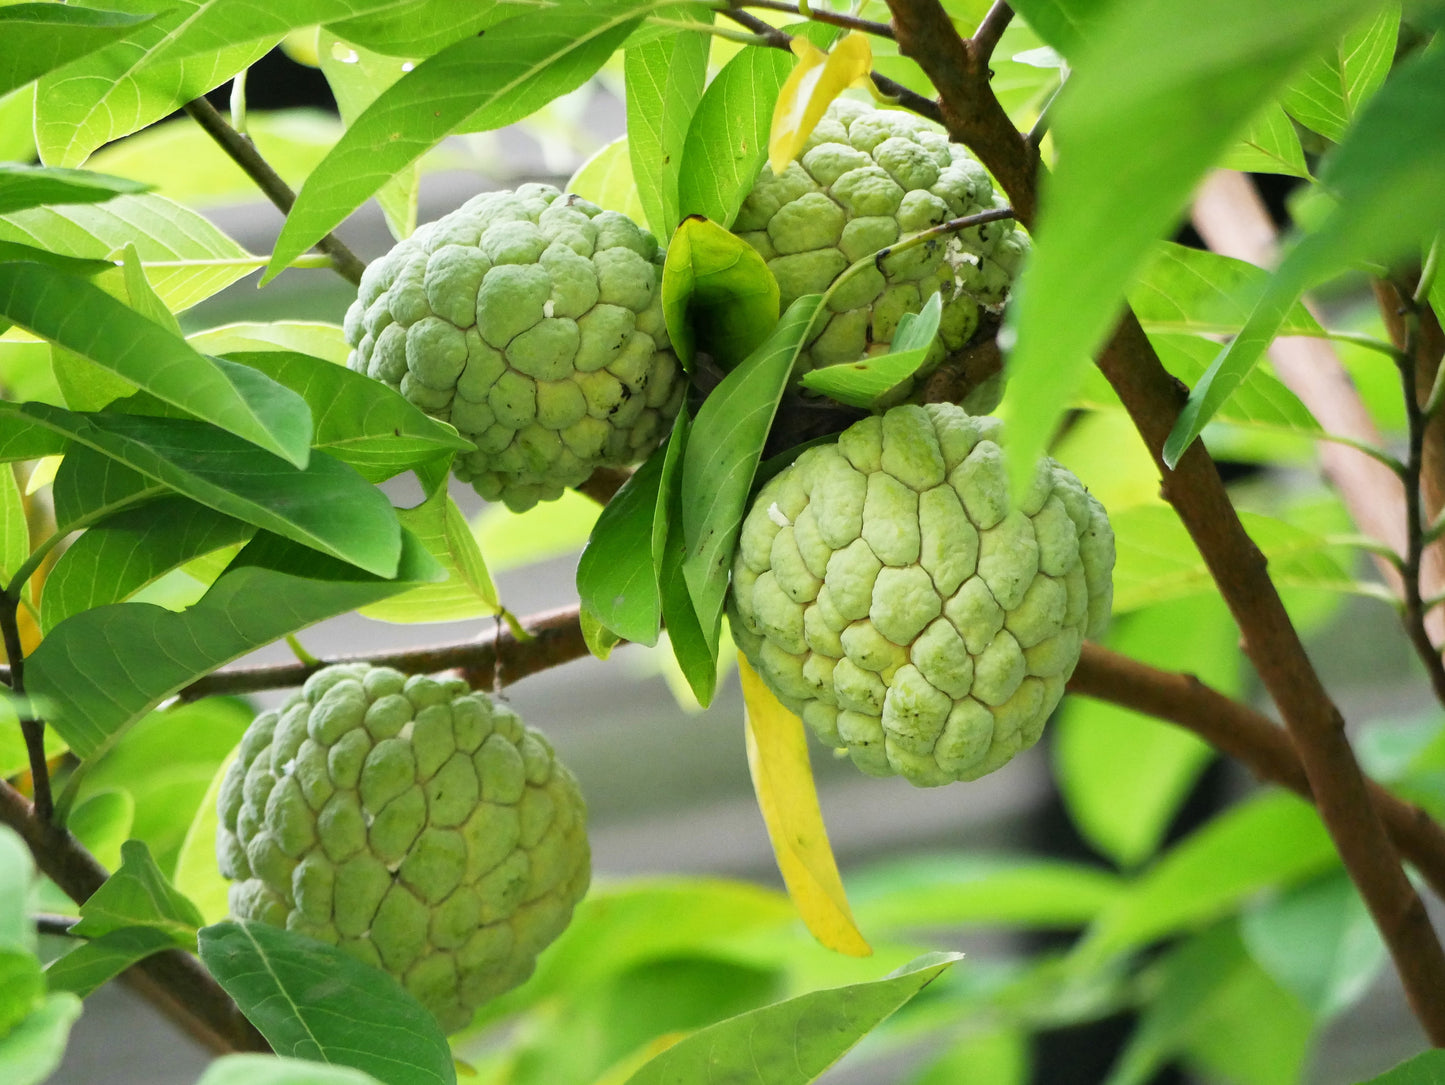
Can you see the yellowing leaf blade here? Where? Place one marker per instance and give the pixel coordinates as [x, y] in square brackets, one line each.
[818, 78]
[783, 781]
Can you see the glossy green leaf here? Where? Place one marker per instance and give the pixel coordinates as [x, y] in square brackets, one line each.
[617, 575]
[1318, 941]
[1424, 1069]
[1124, 806]
[313, 1001]
[42, 37]
[1328, 93]
[606, 179]
[1387, 206]
[327, 506]
[477, 84]
[727, 138]
[274, 1070]
[138, 895]
[123, 553]
[419, 28]
[717, 294]
[315, 338]
[1272, 839]
[128, 84]
[23, 186]
[357, 76]
[93, 963]
[467, 590]
[358, 420]
[32, 1050]
[85, 319]
[186, 257]
[1269, 145]
[665, 78]
[1181, 290]
[723, 449]
[791, 1042]
[1151, 104]
[105, 668]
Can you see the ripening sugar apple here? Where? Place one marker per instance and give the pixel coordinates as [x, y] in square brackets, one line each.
[887, 591]
[410, 821]
[866, 178]
[532, 322]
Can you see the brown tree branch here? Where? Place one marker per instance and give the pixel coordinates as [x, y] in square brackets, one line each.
[822, 15]
[174, 980]
[243, 152]
[985, 38]
[1153, 399]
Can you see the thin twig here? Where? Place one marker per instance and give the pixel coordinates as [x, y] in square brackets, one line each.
[1194, 488]
[823, 15]
[31, 728]
[985, 38]
[943, 229]
[243, 152]
[46, 923]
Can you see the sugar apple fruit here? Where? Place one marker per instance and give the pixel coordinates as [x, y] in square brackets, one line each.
[888, 592]
[532, 322]
[410, 821]
[866, 178]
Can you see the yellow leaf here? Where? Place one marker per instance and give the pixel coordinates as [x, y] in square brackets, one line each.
[810, 87]
[783, 781]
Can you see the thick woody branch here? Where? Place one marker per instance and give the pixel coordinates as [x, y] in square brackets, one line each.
[174, 980]
[243, 152]
[1153, 399]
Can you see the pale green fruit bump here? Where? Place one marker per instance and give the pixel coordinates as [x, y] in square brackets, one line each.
[948, 620]
[410, 821]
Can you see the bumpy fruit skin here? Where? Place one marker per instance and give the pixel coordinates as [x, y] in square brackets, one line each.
[532, 322]
[866, 178]
[887, 591]
[410, 821]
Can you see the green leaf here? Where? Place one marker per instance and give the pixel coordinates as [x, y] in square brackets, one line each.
[196, 872]
[861, 384]
[605, 178]
[139, 895]
[1151, 104]
[723, 449]
[14, 530]
[1269, 145]
[617, 575]
[42, 37]
[1272, 839]
[17, 872]
[315, 338]
[949, 890]
[23, 186]
[1124, 806]
[327, 506]
[314, 1001]
[548, 529]
[717, 294]
[128, 84]
[31, 1051]
[17, 118]
[1318, 941]
[91, 964]
[1000, 1057]
[357, 76]
[419, 28]
[1180, 290]
[1328, 94]
[24, 439]
[102, 823]
[105, 668]
[1387, 206]
[1066, 25]
[467, 590]
[698, 651]
[727, 139]
[273, 1070]
[477, 84]
[791, 1042]
[186, 258]
[1424, 1069]
[358, 420]
[123, 553]
[83, 318]
[22, 987]
[665, 78]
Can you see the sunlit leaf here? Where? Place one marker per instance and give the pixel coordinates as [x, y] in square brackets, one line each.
[1330, 91]
[42, 37]
[24, 186]
[1269, 145]
[605, 178]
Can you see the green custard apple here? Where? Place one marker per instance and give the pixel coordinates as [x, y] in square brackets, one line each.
[532, 322]
[410, 821]
[867, 178]
[887, 590]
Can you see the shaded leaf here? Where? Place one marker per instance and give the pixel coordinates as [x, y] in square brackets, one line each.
[617, 577]
[477, 84]
[138, 895]
[23, 186]
[32, 1050]
[792, 1042]
[312, 1000]
[717, 294]
[788, 799]
[105, 668]
[93, 963]
[862, 383]
[42, 37]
